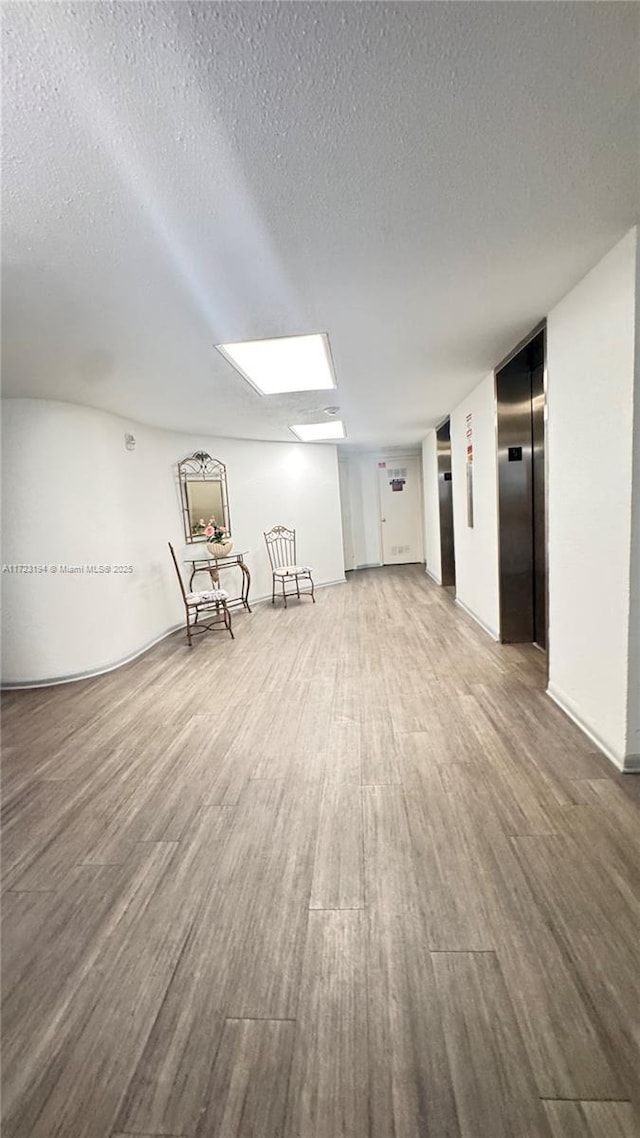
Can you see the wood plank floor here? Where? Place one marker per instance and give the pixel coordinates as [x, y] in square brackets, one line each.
[350, 875]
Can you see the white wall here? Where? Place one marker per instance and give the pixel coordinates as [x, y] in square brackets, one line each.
[593, 459]
[477, 548]
[73, 495]
[433, 557]
[590, 438]
[364, 510]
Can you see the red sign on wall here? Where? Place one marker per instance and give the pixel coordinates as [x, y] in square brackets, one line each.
[469, 437]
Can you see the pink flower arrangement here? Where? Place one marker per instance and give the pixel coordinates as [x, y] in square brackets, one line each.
[211, 530]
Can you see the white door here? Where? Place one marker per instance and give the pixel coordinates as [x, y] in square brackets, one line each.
[400, 510]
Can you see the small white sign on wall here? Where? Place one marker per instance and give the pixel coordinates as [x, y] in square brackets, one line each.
[397, 478]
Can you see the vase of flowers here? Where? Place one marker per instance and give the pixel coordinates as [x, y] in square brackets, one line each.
[219, 544]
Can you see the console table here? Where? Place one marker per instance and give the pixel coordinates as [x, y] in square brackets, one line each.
[213, 565]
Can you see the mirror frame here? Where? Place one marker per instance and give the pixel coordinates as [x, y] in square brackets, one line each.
[201, 467]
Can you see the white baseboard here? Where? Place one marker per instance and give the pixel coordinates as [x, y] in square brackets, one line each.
[490, 631]
[432, 576]
[75, 677]
[624, 763]
[327, 584]
[266, 597]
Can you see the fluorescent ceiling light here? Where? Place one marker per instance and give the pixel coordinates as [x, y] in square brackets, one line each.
[286, 363]
[314, 432]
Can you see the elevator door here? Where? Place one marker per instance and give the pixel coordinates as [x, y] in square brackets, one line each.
[539, 507]
[445, 503]
[521, 484]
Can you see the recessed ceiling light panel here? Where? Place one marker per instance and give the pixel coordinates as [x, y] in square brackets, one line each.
[285, 363]
[318, 432]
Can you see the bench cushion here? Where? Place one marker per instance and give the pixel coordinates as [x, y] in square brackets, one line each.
[207, 597]
[292, 570]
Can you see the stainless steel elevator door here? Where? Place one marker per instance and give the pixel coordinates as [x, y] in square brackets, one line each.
[539, 508]
[521, 496]
[445, 501]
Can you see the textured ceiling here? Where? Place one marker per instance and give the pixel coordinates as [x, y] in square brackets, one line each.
[420, 180]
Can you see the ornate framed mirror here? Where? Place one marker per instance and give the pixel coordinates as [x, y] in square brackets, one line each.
[203, 494]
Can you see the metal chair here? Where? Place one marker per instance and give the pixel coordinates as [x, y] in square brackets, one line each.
[212, 602]
[281, 547]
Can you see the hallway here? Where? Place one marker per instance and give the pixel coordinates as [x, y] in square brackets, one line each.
[350, 875]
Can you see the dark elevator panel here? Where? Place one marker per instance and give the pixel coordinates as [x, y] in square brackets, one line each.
[445, 501]
[521, 493]
[539, 507]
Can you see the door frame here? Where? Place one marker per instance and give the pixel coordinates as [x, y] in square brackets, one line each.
[401, 456]
[541, 326]
[445, 422]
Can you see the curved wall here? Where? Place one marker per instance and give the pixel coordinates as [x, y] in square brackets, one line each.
[74, 496]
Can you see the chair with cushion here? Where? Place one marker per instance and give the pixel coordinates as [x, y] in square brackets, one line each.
[210, 602]
[281, 547]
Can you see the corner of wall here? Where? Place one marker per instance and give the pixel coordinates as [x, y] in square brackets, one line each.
[593, 489]
[632, 761]
[477, 577]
